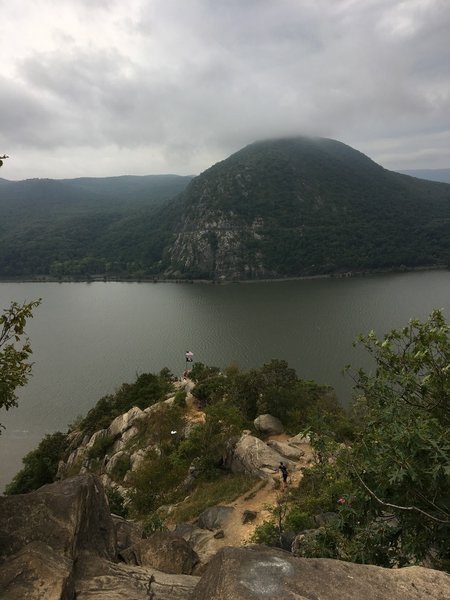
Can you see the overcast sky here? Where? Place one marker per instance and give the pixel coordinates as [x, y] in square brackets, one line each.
[106, 87]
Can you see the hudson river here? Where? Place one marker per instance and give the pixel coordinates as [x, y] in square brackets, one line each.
[87, 339]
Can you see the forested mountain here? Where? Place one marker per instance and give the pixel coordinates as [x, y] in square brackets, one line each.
[278, 208]
[77, 227]
[442, 175]
[302, 206]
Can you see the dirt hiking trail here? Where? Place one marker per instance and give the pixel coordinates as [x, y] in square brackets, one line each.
[263, 494]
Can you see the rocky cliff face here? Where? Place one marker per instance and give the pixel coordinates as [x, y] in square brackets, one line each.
[218, 245]
[116, 451]
[60, 543]
[219, 235]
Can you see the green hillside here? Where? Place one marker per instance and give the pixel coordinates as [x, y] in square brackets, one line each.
[302, 206]
[77, 227]
[277, 208]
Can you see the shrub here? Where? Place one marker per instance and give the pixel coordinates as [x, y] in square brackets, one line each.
[159, 426]
[121, 467]
[154, 483]
[206, 442]
[180, 398]
[152, 523]
[40, 465]
[116, 502]
[266, 533]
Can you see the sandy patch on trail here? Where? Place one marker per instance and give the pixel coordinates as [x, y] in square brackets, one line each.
[263, 495]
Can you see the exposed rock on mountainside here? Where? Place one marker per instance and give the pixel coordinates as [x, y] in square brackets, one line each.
[121, 441]
[251, 455]
[59, 543]
[303, 206]
[259, 572]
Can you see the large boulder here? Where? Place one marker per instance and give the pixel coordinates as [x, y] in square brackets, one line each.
[268, 425]
[202, 541]
[251, 455]
[167, 552]
[58, 543]
[127, 533]
[215, 517]
[69, 516]
[258, 573]
[43, 533]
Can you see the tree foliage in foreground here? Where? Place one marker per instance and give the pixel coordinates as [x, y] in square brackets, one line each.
[391, 488]
[15, 351]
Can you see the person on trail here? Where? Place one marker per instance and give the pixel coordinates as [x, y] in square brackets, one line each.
[284, 472]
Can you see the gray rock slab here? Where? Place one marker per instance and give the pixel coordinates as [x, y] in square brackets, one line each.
[287, 451]
[69, 516]
[98, 579]
[36, 572]
[260, 573]
[215, 517]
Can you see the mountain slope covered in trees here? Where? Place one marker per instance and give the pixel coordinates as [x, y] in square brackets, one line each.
[278, 208]
[303, 206]
[77, 227]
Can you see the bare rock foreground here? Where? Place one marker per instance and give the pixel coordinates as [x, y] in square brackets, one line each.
[61, 543]
[258, 573]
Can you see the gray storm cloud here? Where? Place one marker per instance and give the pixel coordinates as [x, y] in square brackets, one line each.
[175, 86]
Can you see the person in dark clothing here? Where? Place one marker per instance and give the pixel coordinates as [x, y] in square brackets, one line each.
[284, 472]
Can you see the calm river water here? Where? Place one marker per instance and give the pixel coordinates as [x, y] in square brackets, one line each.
[89, 338]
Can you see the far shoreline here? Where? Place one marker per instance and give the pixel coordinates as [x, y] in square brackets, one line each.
[155, 280]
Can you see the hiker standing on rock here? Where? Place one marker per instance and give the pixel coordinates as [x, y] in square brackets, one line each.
[284, 473]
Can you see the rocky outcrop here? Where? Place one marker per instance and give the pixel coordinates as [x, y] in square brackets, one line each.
[114, 452]
[202, 541]
[59, 543]
[36, 572]
[216, 244]
[251, 455]
[257, 573]
[68, 516]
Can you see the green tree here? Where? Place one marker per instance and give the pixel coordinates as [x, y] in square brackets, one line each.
[15, 351]
[390, 489]
[39, 465]
[400, 462]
